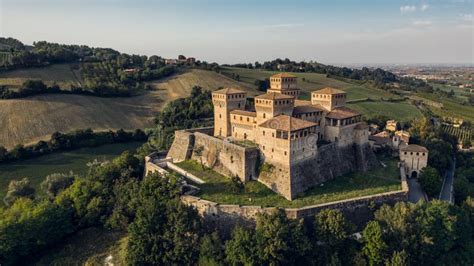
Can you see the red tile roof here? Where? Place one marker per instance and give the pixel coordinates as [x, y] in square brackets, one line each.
[244, 112]
[342, 113]
[274, 96]
[329, 90]
[283, 75]
[414, 148]
[228, 91]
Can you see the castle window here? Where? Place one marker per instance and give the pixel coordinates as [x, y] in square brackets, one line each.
[220, 116]
[417, 153]
[248, 119]
[235, 117]
[273, 150]
[273, 135]
[240, 118]
[411, 153]
[263, 133]
[231, 159]
[405, 153]
[239, 105]
[285, 153]
[264, 115]
[423, 154]
[263, 147]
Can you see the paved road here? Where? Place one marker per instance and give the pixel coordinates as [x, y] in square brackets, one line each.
[447, 189]
[415, 193]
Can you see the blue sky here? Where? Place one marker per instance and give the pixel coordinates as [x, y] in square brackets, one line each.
[228, 31]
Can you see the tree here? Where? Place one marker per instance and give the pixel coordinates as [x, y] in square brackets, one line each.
[55, 183]
[398, 259]
[241, 249]
[19, 189]
[430, 181]
[281, 240]
[181, 57]
[374, 247]
[210, 251]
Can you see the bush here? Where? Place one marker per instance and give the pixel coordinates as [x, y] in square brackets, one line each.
[55, 183]
[19, 189]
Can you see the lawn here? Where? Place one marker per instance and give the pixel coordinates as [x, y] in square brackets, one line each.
[217, 187]
[63, 162]
[401, 111]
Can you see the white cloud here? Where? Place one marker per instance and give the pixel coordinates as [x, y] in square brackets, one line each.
[422, 23]
[424, 7]
[466, 17]
[407, 9]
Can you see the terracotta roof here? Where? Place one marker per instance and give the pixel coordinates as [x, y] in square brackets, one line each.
[228, 91]
[341, 113]
[384, 134]
[361, 126]
[329, 90]
[413, 147]
[274, 96]
[303, 109]
[287, 123]
[283, 75]
[302, 102]
[244, 112]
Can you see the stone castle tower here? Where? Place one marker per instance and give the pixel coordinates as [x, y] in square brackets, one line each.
[224, 101]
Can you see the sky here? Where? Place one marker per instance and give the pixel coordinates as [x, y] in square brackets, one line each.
[231, 31]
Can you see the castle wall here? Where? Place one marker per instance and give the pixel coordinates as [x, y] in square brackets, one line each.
[358, 210]
[183, 143]
[226, 158]
[319, 169]
[343, 134]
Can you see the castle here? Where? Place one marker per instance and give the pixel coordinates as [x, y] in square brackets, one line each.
[285, 133]
[287, 129]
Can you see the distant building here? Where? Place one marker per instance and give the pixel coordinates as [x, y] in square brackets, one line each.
[414, 159]
[171, 61]
[191, 60]
[391, 125]
[403, 135]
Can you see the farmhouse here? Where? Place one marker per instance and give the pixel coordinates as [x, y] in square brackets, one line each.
[281, 132]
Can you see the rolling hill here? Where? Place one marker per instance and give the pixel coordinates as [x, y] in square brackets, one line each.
[34, 118]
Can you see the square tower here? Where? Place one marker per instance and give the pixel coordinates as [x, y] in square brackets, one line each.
[225, 101]
[272, 104]
[284, 83]
[329, 98]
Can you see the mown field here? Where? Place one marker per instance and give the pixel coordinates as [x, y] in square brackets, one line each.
[218, 188]
[62, 74]
[34, 118]
[401, 111]
[62, 162]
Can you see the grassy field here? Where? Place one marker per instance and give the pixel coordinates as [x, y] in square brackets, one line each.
[312, 82]
[90, 246]
[451, 108]
[63, 162]
[34, 118]
[63, 74]
[401, 111]
[217, 187]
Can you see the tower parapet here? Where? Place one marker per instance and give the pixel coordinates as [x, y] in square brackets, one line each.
[284, 83]
[329, 98]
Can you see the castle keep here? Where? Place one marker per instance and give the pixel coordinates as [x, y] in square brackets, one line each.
[282, 132]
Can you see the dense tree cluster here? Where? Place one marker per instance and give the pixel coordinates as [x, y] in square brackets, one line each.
[68, 141]
[33, 223]
[464, 178]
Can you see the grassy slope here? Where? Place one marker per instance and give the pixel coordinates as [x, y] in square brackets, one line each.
[451, 108]
[63, 74]
[348, 186]
[36, 169]
[34, 118]
[91, 245]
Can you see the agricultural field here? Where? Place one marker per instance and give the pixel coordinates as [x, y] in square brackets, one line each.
[37, 169]
[217, 187]
[450, 108]
[62, 74]
[461, 133]
[401, 111]
[31, 119]
[313, 81]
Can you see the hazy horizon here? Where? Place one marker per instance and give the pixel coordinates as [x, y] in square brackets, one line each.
[340, 32]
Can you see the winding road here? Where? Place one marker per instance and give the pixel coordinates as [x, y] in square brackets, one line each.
[447, 189]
